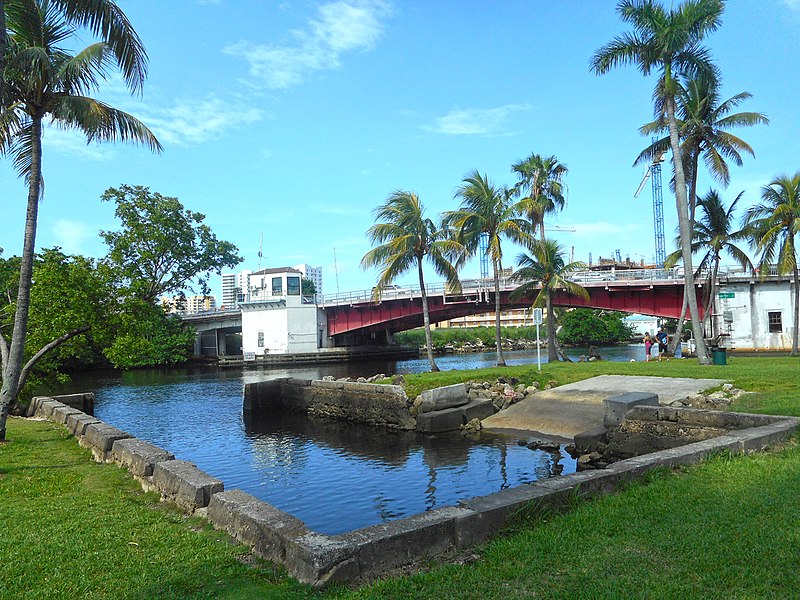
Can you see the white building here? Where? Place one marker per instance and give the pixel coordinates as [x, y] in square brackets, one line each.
[235, 287]
[277, 319]
[641, 324]
[312, 273]
[755, 315]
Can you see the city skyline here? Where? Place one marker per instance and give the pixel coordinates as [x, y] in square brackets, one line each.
[296, 121]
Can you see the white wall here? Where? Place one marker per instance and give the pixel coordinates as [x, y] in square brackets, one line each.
[749, 309]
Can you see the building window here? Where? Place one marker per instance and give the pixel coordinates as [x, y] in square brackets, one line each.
[293, 286]
[277, 286]
[775, 322]
[260, 339]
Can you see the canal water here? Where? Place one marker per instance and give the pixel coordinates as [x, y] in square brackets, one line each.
[335, 476]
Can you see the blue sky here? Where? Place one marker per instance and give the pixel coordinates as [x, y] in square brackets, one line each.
[297, 119]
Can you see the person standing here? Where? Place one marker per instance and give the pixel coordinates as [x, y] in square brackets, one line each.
[663, 340]
[648, 343]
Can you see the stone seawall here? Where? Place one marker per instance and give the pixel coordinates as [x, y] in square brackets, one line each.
[367, 553]
[373, 404]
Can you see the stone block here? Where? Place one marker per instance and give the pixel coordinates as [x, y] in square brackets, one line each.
[83, 401]
[185, 484]
[451, 419]
[255, 523]
[442, 398]
[33, 405]
[395, 543]
[318, 559]
[61, 413]
[78, 422]
[492, 511]
[138, 456]
[47, 406]
[759, 438]
[617, 406]
[101, 436]
[589, 440]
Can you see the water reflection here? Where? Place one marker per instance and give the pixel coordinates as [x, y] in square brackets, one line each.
[335, 476]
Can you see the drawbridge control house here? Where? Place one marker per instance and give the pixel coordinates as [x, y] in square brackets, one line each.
[277, 318]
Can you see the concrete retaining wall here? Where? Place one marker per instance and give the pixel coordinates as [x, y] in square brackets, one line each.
[382, 405]
[367, 553]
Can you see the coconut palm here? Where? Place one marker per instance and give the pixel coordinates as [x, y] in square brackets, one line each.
[44, 81]
[669, 41]
[773, 227]
[103, 18]
[487, 210]
[714, 234]
[704, 121]
[545, 271]
[406, 240]
[541, 179]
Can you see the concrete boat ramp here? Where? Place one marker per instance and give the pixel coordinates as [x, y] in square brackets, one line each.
[565, 411]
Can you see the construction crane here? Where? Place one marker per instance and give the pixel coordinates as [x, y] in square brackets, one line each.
[654, 173]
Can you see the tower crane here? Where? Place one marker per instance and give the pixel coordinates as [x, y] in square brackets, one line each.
[654, 173]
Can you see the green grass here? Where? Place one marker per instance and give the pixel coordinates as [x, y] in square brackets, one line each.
[726, 528]
[71, 528]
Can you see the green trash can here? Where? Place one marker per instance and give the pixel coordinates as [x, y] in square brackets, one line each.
[718, 356]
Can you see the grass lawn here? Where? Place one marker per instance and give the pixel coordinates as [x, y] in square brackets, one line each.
[729, 527]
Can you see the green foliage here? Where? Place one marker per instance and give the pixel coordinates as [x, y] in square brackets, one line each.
[150, 337]
[307, 287]
[458, 336]
[585, 326]
[162, 247]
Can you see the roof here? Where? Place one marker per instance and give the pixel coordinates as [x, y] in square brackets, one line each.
[277, 270]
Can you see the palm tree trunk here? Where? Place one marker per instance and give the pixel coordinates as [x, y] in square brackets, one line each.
[712, 299]
[794, 351]
[426, 317]
[501, 361]
[16, 353]
[552, 353]
[684, 227]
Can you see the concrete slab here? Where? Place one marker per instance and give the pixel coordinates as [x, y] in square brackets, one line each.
[577, 407]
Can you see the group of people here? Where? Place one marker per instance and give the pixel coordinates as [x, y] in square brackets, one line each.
[662, 339]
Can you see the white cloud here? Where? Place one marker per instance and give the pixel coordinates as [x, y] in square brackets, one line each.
[340, 27]
[70, 235]
[488, 122]
[196, 121]
[73, 143]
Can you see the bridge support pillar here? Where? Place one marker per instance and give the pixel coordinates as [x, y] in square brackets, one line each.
[221, 345]
[198, 344]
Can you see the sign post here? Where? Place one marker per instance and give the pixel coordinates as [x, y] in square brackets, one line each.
[537, 320]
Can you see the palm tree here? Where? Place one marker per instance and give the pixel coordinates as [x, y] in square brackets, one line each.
[542, 179]
[488, 210]
[545, 271]
[669, 41]
[43, 80]
[714, 233]
[406, 239]
[103, 18]
[773, 227]
[704, 121]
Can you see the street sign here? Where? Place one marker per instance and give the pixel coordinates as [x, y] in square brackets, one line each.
[537, 316]
[727, 294]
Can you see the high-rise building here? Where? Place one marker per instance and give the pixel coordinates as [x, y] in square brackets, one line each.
[235, 287]
[312, 273]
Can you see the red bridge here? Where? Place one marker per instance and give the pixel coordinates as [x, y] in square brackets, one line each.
[354, 318]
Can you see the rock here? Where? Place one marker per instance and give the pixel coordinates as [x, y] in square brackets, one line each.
[728, 387]
[472, 426]
[362, 380]
[530, 390]
[328, 378]
[513, 381]
[487, 385]
[398, 380]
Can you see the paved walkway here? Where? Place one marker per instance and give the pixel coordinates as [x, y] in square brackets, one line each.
[577, 407]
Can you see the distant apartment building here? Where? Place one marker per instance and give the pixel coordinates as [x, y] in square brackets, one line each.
[189, 305]
[235, 287]
[313, 274]
[516, 317]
